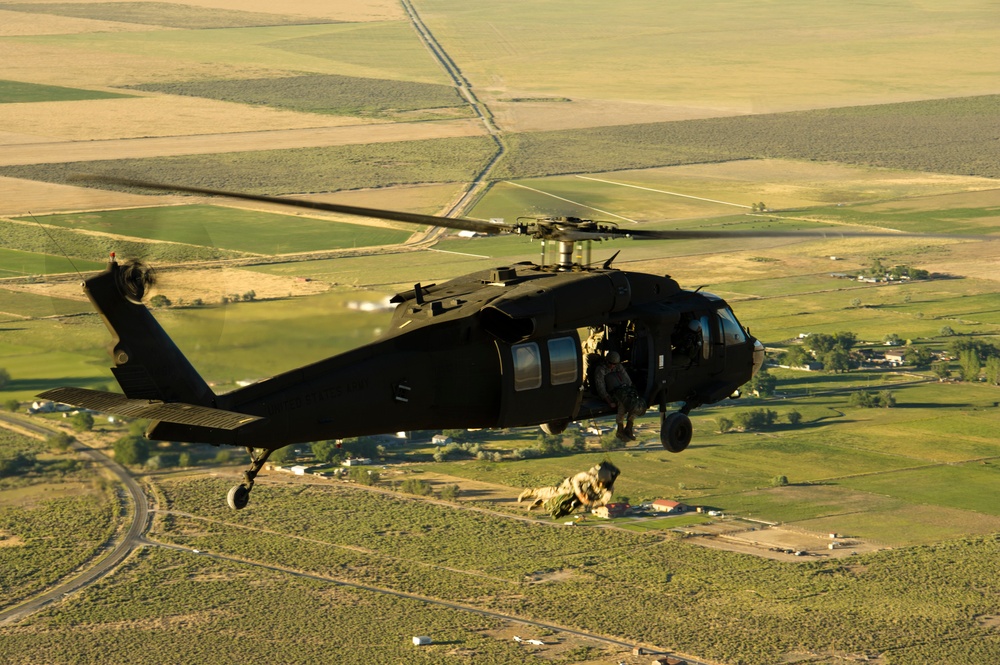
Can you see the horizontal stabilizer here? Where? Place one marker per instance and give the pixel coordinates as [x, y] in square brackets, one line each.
[171, 412]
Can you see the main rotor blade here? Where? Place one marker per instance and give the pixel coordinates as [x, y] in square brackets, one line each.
[461, 223]
[819, 234]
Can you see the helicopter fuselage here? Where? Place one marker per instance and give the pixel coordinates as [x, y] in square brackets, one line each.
[498, 348]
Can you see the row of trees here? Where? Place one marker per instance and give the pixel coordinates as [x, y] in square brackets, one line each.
[869, 400]
[878, 271]
[834, 351]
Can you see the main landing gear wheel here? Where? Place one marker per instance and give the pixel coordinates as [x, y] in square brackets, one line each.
[675, 431]
[555, 427]
[239, 495]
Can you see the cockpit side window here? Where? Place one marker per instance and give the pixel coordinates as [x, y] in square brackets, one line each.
[527, 366]
[706, 336]
[732, 331]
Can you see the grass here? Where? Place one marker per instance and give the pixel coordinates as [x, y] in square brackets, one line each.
[14, 263]
[19, 92]
[33, 305]
[265, 338]
[229, 228]
[969, 486]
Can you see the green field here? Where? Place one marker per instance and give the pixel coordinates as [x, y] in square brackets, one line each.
[18, 92]
[14, 263]
[255, 340]
[23, 304]
[234, 229]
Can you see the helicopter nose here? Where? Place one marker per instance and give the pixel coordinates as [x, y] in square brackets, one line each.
[758, 356]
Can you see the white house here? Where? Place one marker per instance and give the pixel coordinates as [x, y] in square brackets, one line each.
[357, 461]
[668, 506]
[440, 440]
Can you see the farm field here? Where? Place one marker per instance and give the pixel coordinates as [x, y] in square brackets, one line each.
[843, 479]
[721, 56]
[841, 117]
[376, 547]
[13, 92]
[229, 228]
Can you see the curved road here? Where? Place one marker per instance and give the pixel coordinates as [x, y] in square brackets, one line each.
[124, 547]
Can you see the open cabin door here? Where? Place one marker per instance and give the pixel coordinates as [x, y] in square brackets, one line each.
[541, 379]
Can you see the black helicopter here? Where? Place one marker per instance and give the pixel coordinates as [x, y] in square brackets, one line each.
[496, 348]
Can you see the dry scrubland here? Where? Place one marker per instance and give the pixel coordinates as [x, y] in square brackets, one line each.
[872, 142]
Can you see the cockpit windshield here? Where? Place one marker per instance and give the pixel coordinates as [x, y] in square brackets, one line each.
[732, 331]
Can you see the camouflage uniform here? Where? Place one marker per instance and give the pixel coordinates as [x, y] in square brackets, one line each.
[614, 386]
[591, 488]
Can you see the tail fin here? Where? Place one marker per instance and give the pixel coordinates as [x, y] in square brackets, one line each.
[148, 365]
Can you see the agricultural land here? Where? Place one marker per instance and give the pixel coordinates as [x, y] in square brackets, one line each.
[849, 514]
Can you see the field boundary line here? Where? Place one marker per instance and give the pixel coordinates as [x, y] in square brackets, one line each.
[576, 203]
[663, 191]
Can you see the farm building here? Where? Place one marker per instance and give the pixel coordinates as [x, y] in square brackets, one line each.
[420, 640]
[357, 461]
[611, 510]
[440, 440]
[895, 357]
[668, 506]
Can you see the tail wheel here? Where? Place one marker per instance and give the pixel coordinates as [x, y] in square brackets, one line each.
[675, 431]
[238, 497]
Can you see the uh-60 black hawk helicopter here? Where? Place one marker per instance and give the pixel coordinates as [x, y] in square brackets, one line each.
[496, 348]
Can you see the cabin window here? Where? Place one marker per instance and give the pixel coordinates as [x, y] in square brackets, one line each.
[527, 366]
[562, 360]
[732, 331]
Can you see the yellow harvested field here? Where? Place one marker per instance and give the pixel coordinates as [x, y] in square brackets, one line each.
[23, 196]
[188, 284]
[21, 24]
[340, 10]
[155, 115]
[579, 113]
[426, 199]
[74, 151]
[787, 183]
[54, 64]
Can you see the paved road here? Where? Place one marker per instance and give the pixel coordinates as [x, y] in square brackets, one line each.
[132, 539]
